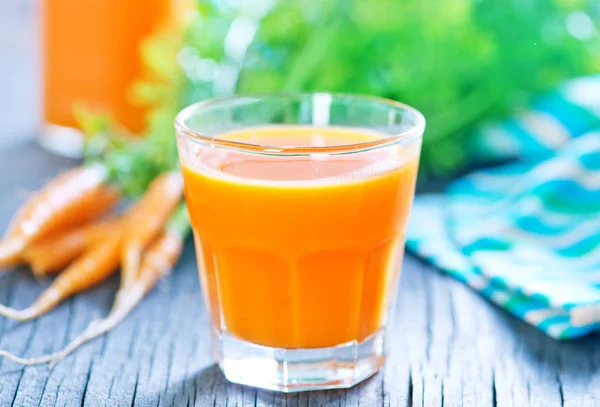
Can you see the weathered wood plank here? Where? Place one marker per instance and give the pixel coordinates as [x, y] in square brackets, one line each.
[448, 346]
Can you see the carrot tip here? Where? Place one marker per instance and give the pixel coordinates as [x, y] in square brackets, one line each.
[39, 274]
[37, 268]
[18, 315]
[54, 358]
[10, 251]
[23, 361]
[126, 301]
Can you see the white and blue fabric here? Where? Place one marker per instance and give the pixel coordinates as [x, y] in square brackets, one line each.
[526, 234]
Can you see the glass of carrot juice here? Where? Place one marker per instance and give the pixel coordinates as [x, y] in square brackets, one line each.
[91, 56]
[299, 205]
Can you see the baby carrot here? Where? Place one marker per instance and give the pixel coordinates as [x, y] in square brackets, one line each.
[88, 270]
[55, 251]
[155, 206]
[72, 198]
[157, 263]
[162, 255]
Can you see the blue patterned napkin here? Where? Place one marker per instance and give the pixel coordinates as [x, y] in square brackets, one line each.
[526, 234]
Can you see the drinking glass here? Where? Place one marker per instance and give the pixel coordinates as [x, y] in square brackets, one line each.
[299, 204]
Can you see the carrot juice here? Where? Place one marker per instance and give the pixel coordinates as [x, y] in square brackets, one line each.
[300, 253]
[92, 54]
[299, 204]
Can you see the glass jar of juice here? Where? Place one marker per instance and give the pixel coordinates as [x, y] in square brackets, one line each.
[299, 205]
[91, 55]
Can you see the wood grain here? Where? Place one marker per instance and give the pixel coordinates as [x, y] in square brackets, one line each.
[449, 346]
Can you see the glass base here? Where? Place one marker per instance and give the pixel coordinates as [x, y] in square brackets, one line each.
[62, 140]
[293, 370]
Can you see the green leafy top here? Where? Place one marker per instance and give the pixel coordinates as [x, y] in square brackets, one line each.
[460, 62]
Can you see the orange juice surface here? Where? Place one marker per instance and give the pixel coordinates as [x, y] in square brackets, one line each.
[299, 252]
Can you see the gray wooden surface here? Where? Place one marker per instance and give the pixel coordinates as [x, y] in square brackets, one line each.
[449, 346]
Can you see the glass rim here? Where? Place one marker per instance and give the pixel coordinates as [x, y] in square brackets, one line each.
[183, 129]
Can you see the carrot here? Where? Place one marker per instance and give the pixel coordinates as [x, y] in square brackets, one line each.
[158, 261]
[163, 195]
[54, 252]
[88, 270]
[72, 198]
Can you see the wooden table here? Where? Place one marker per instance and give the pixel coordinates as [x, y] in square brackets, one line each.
[449, 346]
